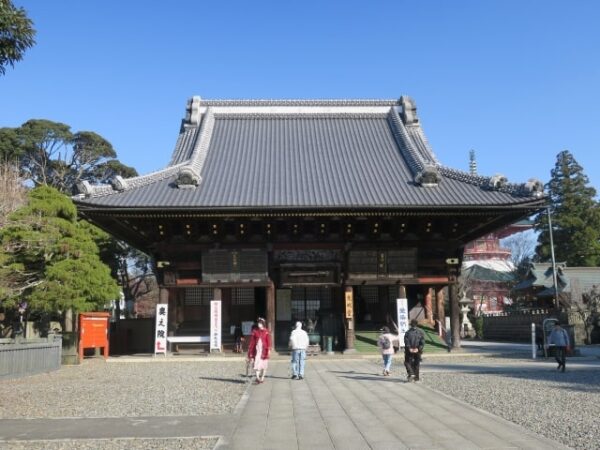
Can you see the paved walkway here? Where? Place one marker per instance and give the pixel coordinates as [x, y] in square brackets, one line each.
[342, 404]
[346, 405]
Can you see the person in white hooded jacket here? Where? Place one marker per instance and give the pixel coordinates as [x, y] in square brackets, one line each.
[298, 344]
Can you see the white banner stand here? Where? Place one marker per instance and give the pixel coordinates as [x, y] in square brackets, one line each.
[160, 333]
[402, 317]
[215, 326]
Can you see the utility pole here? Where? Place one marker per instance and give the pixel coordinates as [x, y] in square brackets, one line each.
[556, 303]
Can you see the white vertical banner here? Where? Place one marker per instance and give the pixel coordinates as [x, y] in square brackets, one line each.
[160, 334]
[533, 343]
[215, 325]
[402, 316]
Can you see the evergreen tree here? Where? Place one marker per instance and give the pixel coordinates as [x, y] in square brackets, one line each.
[49, 259]
[16, 34]
[575, 216]
[49, 153]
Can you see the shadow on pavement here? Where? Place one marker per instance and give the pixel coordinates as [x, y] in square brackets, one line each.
[226, 380]
[583, 379]
[371, 377]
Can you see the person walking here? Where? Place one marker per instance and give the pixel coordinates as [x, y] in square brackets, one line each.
[414, 341]
[259, 349]
[386, 344]
[238, 335]
[560, 339]
[298, 344]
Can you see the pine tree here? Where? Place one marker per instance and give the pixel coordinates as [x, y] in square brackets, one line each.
[49, 259]
[575, 216]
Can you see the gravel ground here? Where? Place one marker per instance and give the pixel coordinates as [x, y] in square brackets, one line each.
[115, 444]
[100, 389]
[564, 407]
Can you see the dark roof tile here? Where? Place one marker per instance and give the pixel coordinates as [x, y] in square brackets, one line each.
[363, 157]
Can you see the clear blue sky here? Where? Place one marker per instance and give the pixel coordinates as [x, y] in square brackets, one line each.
[516, 80]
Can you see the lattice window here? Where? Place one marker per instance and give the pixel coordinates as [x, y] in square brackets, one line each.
[242, 296]
[306, 302]
[198, 296]
[369, 294]
[393, 293]
[322, 294]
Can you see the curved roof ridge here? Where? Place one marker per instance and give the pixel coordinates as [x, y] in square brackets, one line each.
[299, 102]
[296, 115]
[405, 144]
[184, 145]
[415, 132]
[101, 190]
[465, 177]
[149, 178]
[532, 188]
[200, 150]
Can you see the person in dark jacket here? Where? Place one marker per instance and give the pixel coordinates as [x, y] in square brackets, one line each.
[414, 341]
[238, 335]
[560, 339]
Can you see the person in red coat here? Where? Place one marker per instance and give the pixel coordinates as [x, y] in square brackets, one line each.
[259, 349]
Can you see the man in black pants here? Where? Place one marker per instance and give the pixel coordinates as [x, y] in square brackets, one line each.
[414, 341]
[560, 339]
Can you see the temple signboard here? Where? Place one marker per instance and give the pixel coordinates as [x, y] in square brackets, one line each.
[349, 302]
[382, 264]
[227, 266]
[309, 275]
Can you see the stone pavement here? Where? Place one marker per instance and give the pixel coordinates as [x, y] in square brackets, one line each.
[342, 404]
[347, 405]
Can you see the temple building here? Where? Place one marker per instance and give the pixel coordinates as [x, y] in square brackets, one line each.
[326, 210]
[573, 284]
[488, 271]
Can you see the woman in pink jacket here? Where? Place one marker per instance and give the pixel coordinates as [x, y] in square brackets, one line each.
[259, 349]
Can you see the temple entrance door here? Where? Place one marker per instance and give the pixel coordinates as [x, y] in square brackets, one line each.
[260, 302]
[416, 301]
[316, 304]
[245, 305]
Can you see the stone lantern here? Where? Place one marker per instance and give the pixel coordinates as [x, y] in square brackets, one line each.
[467, 329]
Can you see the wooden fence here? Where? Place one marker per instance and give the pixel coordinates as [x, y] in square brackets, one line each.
[19, 358]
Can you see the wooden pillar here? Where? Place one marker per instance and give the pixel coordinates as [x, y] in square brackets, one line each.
[440, 310]
[226, 307]
[171, 300]
[454, 315]
[401, 291]
[271, 312]
[383, 294]
[349, 319]
[428, 305]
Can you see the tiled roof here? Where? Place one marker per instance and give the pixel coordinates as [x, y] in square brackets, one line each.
[305, 154]
[569, 279]
[481, 273]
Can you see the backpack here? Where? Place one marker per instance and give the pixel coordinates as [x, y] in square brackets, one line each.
[385, 343]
